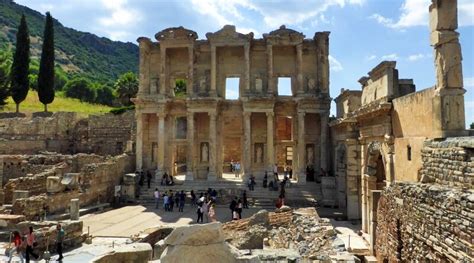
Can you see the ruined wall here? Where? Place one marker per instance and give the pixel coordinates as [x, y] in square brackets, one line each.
[421, 222]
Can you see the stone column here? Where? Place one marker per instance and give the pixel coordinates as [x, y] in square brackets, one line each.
[212, 147]
[270, 145]
[163, 82]
[271, 83]
[161, 147]
[74, 209]
[299, 68]
[139, 143]
[301, 149]
[322, 50]
[190, 138]
[247, 144]
[323, 141]
[213, 70]
[144, 75]
[247, 67]
[189, 83]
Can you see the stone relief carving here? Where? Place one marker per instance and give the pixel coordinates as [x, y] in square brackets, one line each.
[258, 84]
[259, 152]
[202, 83]
[204, 152]
[311, 84]
[155, 85]
[309, 154]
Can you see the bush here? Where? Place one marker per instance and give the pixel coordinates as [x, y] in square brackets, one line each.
[80, 88]
[105, 95]
[120, 110]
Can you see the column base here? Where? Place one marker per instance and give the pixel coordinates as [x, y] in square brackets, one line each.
[158, 175]
[189, 176]
[211, 176]
[301, 179]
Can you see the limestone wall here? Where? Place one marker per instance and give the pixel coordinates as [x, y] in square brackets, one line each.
[420, 222]
[449, 162]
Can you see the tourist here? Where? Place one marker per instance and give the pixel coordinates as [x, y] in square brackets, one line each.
[275, 172]
[59, 241]
[164, 179]
[237, 169]
[212, 212]
[141, 178]
[193, 197]
[157, 198]
[177, 198]
[232, 206]
[18, 247]
[205, 209]
[166, 202]
[199, 214]
[245, 201]
[280, 201]
[171, 201]
[232, 166]
[290, 172]
[252, 183]
[214, 195]
[282, 187]
[148, 178]
[249, 183]
[171, 182]
[265, 180]
[30, 243]
[235, 215]
[239, 208]
[182, 200]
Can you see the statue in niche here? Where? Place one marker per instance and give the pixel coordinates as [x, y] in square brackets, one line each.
[258, 153]
[311, 84]
[154, 85]
[202, 84]
[258, 84]
[204, 152]
[310, 154]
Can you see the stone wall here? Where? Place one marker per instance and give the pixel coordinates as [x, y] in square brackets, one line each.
[421, 222]
[65, 132]
[449, 162]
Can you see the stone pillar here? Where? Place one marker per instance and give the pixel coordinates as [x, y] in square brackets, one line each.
[301, 149]
[144, 75]
[247, 144]
[322, 50]
[324, 140]
[449, 115]
[74, 209]
[212, 147]
[299, 68]
[270, 145]
[270, 81]
[161, 147]
[247, 67]
[213, 70]
[190, 138]
[139, 143]
[163, 83]
[189, 83]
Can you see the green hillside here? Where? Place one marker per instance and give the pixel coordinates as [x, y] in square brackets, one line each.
[98, 58]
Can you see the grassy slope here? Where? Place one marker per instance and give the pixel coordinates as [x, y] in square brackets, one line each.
[32, 104]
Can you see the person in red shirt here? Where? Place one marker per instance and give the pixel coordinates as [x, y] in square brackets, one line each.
[18, 245]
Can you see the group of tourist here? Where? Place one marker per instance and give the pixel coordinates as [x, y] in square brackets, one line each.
[23, 246]
[170, 200]
[235, 168]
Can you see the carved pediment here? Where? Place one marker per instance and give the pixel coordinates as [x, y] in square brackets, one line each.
[284, 34]
[176, 33]
[229, 34]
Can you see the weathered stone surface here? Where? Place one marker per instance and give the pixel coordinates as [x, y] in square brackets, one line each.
[136, 252]
[195, 235]
[53, 184]
[260, 218]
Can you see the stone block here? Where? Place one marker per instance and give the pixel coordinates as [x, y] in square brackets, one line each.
[74, 209]
[195, 235]
[53, 184]
[443, 15]
[70, 180]
[218, 252]
[136, 252]
[17, 194]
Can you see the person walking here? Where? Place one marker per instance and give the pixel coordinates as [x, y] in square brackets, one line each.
[166, 203]
[30, 243]
[199, 214]
[193, 197]
[171, 201]
[148, 179]
[182, 200]
[59, 241]
[18, 247]
[239, 208]
[157, 198]
[245, 202]
[212, 212]
[205, 209]
[232, 207]
[275, 172]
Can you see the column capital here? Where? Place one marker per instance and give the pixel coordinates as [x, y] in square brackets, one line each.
[247, 113]
[161, 115]
[212, 114]
[190, 113]
[270, 114]
[301, 113]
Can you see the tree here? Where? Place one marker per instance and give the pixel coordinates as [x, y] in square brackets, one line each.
[105, 95]
[80, 88]
[4, 78]
[21, 61]
[472, 126]
[126, 87]
[46, 70]
[60, 79]
[180, 88]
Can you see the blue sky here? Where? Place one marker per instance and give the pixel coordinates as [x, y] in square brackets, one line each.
[363, 32]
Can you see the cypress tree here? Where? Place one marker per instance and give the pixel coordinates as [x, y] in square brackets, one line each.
[20, 66]
[46, 69]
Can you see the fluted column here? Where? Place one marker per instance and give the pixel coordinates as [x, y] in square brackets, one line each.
[323, 141]
[161, 146]
[144, 67]
[190, 139]
[213, 70]
[301, 149]
[270, 145]
[299, 68]
[162, 90]
[247, 144]
[139, 144]
[247, 67]
[271, 83]
[189, 83]
[212, 147]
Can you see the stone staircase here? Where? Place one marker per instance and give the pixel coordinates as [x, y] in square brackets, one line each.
[296, 195]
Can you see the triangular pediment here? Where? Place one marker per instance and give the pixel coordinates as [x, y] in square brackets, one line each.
[284, 34]
[228, 33]
[176, 33]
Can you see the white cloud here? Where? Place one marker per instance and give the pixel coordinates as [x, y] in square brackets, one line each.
[334, 64]
[416, 13]
[416, 57]
[371, 57]
[120, 18]
[393, 56]
[469, 82]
